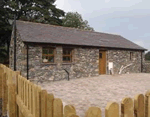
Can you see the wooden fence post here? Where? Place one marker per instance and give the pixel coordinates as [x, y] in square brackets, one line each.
[127, 109]
[93, 112]
[43, 103]
[73, 115]
[50, 99]
[58, 108]
[1, 89]
[12, 100]
[139, 106]
[17, 91]
[147, 104]
[29, 100]
[12, 95]
[8, 74]
[27, 93]
[112, 109]
[39, 100]
[5, 95]
[5, 92]
[68, 110]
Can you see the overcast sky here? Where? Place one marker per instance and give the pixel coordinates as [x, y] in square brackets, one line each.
[129, 18]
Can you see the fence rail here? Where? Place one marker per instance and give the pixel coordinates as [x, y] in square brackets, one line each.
[22, 98]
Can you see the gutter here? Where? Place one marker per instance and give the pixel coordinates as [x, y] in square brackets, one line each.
[79, 45]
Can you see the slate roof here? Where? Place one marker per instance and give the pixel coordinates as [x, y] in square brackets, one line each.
[45, 33]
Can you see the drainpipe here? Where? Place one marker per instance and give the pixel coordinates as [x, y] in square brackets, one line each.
[15, 42]
[141, 63]
[15, 38]
[27, 62]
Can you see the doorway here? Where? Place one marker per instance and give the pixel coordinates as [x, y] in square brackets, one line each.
[102, 62]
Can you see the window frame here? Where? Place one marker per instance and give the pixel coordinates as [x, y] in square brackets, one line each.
[48, 55]
[100, 55]
[67, 55]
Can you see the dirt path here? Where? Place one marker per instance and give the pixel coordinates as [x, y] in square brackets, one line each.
[97, 91]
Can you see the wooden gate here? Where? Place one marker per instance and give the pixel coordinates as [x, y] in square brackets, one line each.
[22, 98]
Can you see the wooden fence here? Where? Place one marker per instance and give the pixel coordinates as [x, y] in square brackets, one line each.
[22, 98]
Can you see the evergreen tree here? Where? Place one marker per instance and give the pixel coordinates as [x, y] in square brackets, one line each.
[74, 19]
[5, 32]
[43, 11]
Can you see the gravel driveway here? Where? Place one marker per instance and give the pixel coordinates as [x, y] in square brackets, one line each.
[97, 91]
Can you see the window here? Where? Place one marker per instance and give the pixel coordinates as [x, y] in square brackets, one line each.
[100, 55]
[131, 55]
[67, 55]
[48, 55]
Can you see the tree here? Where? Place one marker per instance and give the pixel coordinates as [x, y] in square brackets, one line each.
[43, 11]
[5, 32]
[74, 19]
[147, 56]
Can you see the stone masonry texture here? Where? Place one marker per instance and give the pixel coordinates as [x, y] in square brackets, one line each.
[20, 55]
[85, 61]
[84, 64]
[146, 67]
[121, 58]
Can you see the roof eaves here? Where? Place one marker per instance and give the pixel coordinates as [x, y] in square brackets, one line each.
[86, 45]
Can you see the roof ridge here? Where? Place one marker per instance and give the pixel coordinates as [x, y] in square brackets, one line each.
[68, 27]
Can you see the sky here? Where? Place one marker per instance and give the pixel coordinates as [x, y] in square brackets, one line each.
[128, 18]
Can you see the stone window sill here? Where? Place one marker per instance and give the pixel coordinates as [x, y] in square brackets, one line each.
[68, 63]
[56, 63]
[49, 63]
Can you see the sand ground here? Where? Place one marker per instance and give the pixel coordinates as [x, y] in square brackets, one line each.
[97, 91]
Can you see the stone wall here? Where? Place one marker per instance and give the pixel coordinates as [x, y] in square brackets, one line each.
[85, 64]
[146, 67]
[21, 62]
[122, 58]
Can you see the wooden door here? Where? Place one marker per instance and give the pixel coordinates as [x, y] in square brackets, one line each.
[102, 62]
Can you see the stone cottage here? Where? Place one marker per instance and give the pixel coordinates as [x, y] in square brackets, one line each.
[48, 52]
